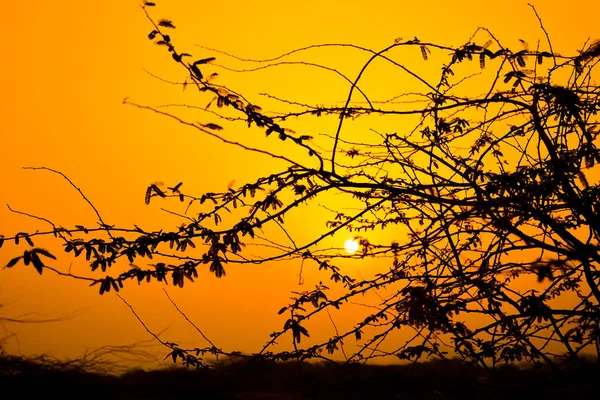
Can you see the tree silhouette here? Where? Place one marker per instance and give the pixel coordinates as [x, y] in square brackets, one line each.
[485, 174]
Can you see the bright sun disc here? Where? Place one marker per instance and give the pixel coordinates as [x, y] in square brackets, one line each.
[351, 246]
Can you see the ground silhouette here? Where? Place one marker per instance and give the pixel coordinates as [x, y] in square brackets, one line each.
[261, 379]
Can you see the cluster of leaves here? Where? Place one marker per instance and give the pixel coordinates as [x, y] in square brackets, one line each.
[479, 182]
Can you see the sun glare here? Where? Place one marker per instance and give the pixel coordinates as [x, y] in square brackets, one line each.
[351, 246]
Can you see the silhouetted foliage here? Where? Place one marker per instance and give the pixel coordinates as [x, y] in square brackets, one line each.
[259, 378]
[488, 190]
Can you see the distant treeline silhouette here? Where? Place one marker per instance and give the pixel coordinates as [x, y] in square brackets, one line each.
[263, 379]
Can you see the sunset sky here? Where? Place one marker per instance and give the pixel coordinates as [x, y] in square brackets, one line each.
[67, 67]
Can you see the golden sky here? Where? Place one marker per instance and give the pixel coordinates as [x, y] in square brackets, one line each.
[66, 68]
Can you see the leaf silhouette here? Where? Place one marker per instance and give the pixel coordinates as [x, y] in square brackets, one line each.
[358, 334]
[13, 262]
[205, 60]
[176, 187]
[151, 191]
[196, 71]
[44, 253]
[543, 272]
[166, 23]
[424, 51]
[148, 195]
[216, 267]
[107, 284]
[524, 44]
[27, 257]
[213, 126]
[297, 331]
[37, 263]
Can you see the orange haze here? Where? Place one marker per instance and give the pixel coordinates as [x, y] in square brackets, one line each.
[65, 70]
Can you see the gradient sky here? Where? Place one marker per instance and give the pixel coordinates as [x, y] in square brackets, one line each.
[68, 65]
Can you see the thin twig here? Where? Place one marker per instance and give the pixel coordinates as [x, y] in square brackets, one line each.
[104, 224]
[188, 320]
[142, 322]
[544, 30]
[31, 216]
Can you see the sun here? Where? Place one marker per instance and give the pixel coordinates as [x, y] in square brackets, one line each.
[351, 246]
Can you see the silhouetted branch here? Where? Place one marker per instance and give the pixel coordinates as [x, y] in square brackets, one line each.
[472, 196]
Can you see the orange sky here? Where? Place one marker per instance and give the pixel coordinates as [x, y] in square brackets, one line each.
[67, 67]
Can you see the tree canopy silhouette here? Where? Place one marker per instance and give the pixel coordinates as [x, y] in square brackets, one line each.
[486, 174]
